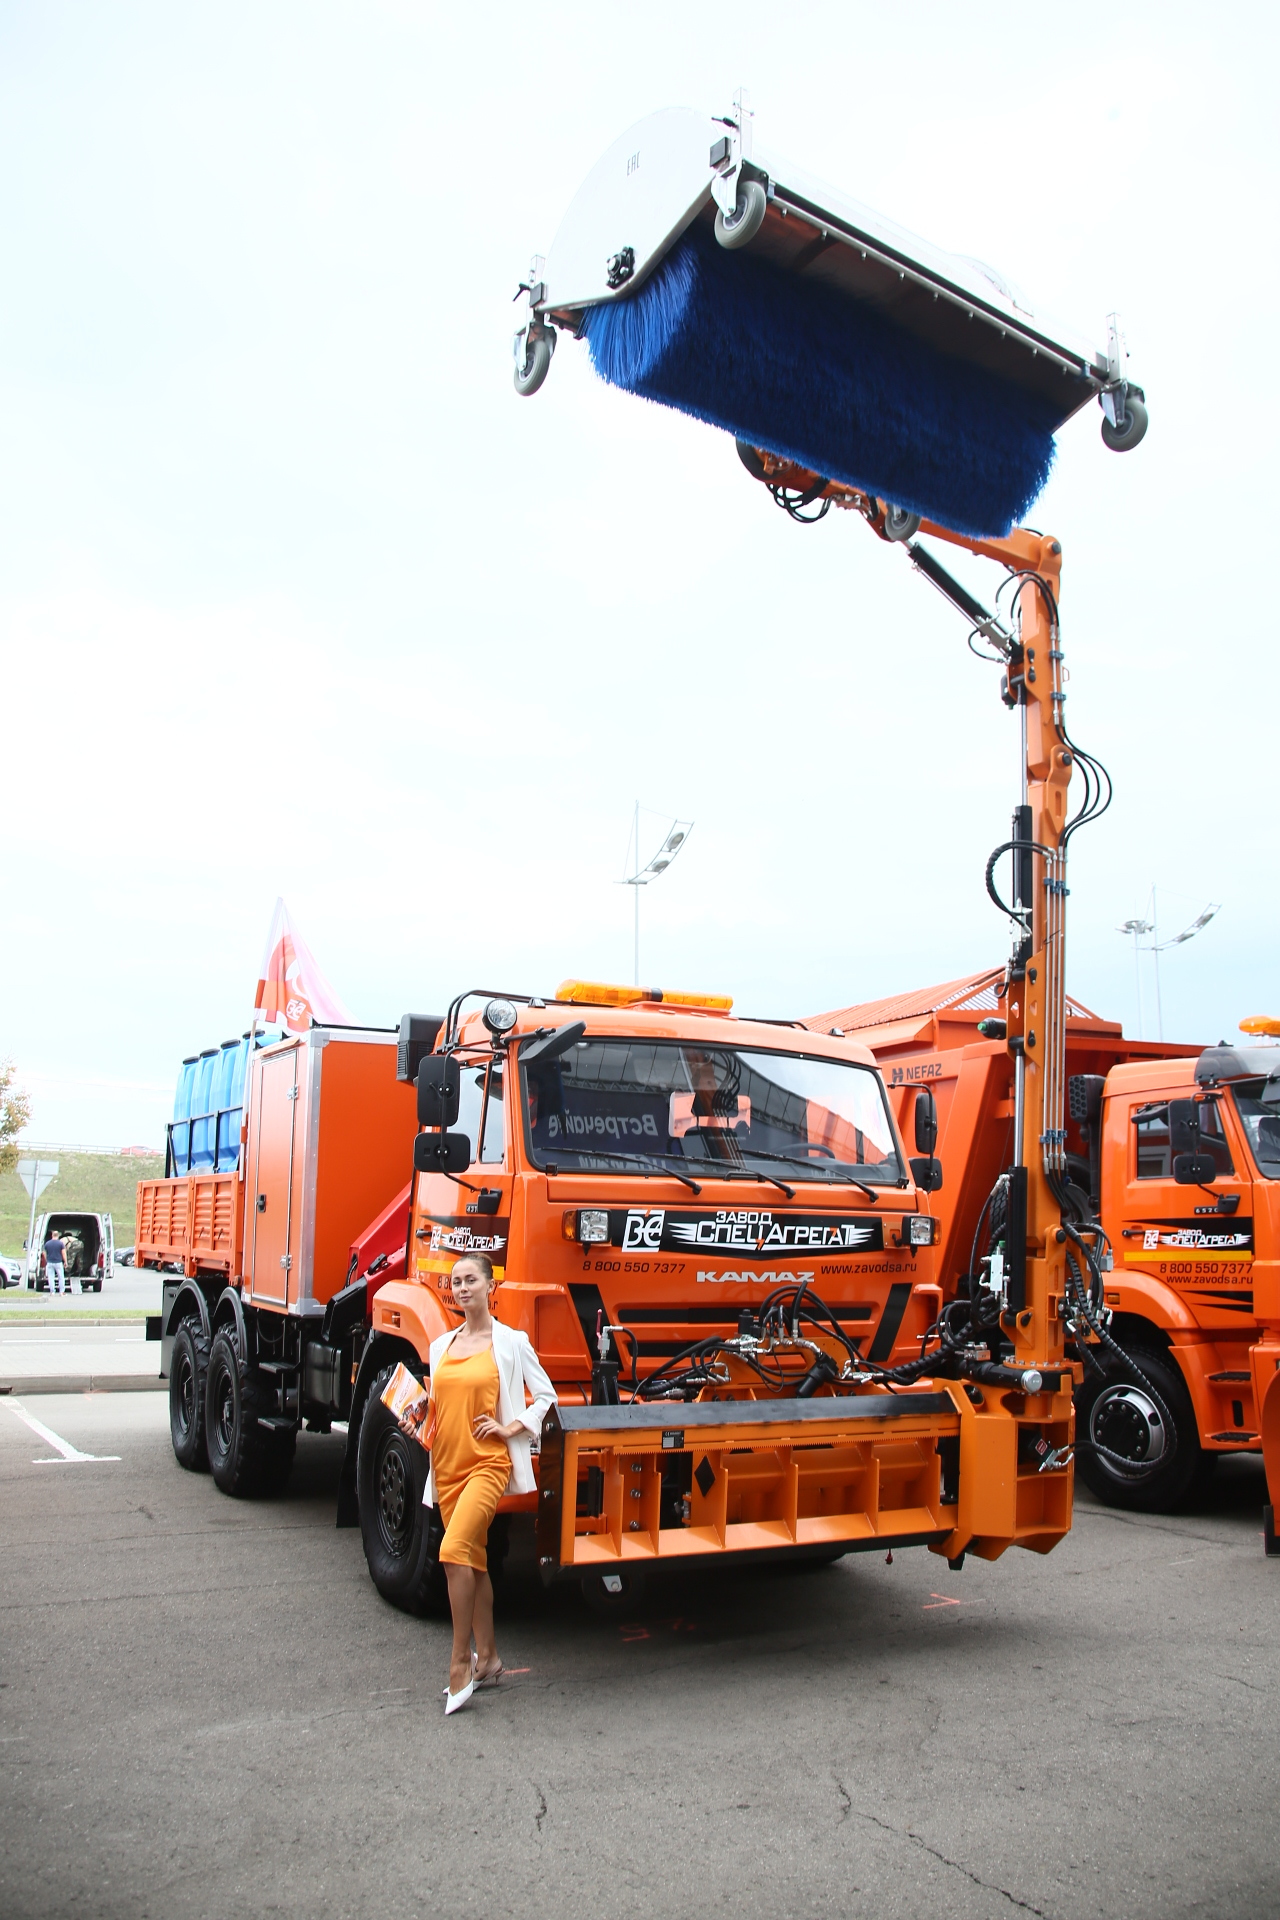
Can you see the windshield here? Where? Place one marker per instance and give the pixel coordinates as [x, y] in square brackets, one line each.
[1261, 1121]
[689, 1106]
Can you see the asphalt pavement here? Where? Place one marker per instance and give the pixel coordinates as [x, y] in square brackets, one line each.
[206, 1707]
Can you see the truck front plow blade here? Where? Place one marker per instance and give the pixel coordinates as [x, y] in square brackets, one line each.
[649, 1483]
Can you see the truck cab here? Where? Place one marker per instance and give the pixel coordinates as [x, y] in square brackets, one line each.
[1188, 1166]
[658, 1177]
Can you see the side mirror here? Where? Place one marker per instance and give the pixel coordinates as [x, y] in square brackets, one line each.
[439, 1085]
[441, 1153]
[1194, 1169]
[926, 1121]
[1184, 1127]
[536, 1053]
[927, 1174]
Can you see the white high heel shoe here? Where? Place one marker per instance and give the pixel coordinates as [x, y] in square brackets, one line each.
[452, 1701]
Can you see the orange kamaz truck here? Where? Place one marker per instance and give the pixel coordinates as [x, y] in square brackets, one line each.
[709, 1228]
[1177, 1150]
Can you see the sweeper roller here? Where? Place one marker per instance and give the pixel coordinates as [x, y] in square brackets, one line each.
[726, 283]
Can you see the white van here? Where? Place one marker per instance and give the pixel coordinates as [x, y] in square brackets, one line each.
[94, 1264]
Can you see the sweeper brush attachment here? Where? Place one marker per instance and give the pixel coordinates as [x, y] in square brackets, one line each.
[737, 290]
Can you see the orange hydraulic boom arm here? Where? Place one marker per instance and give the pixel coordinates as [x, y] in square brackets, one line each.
[1035, 1282]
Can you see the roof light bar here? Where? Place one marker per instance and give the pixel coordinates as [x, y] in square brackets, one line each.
[596, 993]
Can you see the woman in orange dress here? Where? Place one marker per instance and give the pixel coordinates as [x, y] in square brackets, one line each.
[482, 1431]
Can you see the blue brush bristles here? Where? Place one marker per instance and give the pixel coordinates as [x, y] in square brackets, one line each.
[792, 366]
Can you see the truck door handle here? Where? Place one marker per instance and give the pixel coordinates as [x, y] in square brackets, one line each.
[262, 1203]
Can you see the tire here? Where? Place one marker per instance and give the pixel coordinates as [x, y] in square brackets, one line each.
[1129, 429]
[244, 1458]
[899, 524]
[537, 364]
[1118, 1413]
[188, 1372]
[607, 1600]
[401, 1537]
[747, 218]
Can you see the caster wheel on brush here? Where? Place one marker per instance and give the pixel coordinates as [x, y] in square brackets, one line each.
[1128, 429]
[537, 362]
[188, 1369]
[899, 524]
[1154, 1468]
[740, 228]
[401, 1537]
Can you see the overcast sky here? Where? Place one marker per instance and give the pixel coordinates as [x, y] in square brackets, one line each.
[298, 597]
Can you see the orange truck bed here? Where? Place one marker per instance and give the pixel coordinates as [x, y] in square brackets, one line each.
[193, 1223]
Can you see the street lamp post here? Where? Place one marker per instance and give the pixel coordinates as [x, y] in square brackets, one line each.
[640, 876]
[1137, 928]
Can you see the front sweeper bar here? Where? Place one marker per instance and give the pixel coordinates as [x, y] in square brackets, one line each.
[735, 288]
[627, 1487]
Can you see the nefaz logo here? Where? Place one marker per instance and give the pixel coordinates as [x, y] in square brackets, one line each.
[753, 1232]
[908, 1075]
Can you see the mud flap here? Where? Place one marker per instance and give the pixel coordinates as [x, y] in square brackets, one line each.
[1270, 1423]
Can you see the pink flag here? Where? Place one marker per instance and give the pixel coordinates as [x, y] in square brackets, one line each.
[291, 987]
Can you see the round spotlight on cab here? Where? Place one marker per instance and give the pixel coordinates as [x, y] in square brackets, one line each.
[499, 1016]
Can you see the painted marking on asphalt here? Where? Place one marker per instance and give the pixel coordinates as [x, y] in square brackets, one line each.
[66, 1455]
[942, 1600]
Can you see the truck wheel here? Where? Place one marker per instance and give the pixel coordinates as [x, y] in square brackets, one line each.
[401, 1543]
[188, 1369]
[240, 1458]
[1116, 1413]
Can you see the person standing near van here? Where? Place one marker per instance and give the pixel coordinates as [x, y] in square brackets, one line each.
[54, 1251]
[73, 1257]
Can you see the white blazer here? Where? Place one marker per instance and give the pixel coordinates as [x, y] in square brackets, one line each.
[518, 1368]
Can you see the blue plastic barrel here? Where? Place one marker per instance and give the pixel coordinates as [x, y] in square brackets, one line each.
[182, 1113]
[202, 1099]
[227, 1136]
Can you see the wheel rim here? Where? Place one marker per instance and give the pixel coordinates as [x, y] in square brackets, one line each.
[1127, 1422]
[225, 1417]
[184, 1392]
[393, 1504]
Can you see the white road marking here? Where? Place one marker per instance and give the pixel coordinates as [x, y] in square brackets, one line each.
[66, 1454]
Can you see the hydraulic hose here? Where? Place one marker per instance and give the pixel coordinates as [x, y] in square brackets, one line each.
[1075, 1284]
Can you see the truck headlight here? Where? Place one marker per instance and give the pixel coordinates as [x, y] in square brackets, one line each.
[919, 1230]
[588, 1225]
